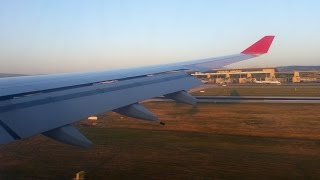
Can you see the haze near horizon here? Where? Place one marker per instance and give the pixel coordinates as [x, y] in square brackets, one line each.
[43, 37]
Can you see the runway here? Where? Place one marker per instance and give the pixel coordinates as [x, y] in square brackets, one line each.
[256, 99]
[250, 99]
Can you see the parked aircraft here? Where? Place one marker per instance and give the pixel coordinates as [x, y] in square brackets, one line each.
[50, 104]
[268, 82]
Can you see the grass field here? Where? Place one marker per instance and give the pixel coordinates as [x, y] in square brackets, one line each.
[221, 141]
[263, 90]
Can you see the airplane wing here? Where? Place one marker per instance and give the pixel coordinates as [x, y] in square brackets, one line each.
[50, 104]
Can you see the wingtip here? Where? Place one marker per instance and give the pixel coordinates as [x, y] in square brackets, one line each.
[260, 47]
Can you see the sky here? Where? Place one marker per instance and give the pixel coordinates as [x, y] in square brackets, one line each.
[45, 36]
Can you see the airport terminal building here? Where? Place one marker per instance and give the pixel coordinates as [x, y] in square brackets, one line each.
[255, 75]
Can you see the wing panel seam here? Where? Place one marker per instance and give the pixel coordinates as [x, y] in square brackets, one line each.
[13, 134]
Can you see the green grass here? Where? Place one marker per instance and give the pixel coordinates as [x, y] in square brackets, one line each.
[210, 141]
[137, 154]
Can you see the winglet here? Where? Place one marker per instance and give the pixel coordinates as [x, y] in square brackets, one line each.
[260, 47]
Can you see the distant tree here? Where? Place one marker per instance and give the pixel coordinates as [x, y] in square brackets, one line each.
[234, 93]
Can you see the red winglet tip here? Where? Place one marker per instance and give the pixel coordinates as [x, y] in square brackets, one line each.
[260, 47]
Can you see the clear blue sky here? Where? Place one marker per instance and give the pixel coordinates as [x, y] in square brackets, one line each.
[53, 36]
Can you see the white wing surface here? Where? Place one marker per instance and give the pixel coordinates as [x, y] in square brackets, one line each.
[50, 104]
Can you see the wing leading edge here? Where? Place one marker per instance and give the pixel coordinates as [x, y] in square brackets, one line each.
[50, 104]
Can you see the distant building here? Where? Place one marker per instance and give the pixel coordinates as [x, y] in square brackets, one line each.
[252, 75]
